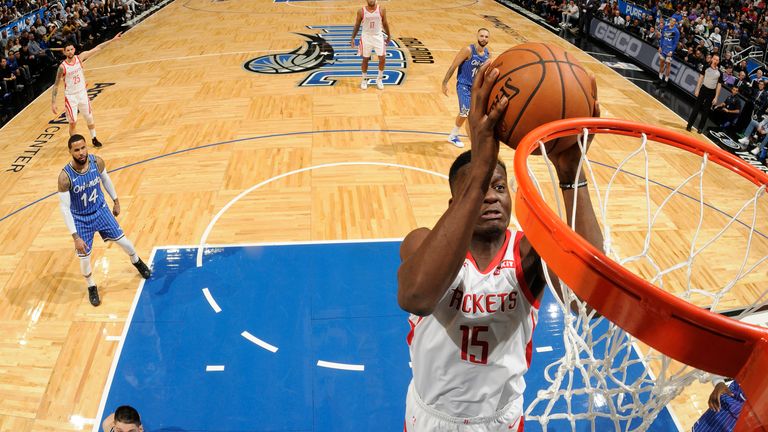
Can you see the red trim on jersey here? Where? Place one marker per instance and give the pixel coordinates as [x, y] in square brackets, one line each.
[409, 338]
[71, 64]
[496, 259]
[405, 426]
[520, 427]
[529, 345]
[534, 301]
[68, 107]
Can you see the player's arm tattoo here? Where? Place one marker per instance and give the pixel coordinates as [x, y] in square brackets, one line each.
[55, 91]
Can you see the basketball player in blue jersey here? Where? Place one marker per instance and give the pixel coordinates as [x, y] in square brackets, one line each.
[468, 60]
[86, 212]
[725, 403]
[670, 36]
[124, 419]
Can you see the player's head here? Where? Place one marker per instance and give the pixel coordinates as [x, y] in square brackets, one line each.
[482, 37]
[78, 148]
[371, 2]
[671, 23]
[497, 205]
[127, 420]
[69, 51]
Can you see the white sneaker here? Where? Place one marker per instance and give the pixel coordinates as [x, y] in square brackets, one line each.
[755, 151]
[744, 140]
[364, 84]
[453, 139]
[379, 84]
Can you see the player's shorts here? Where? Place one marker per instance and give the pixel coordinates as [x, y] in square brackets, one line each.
[101, 221]
[421, 418]
[75, 103]
[371, 43]
[667, 56]
[464, 92]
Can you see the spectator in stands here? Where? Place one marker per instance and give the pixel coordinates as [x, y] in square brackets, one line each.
[728, 111]
[570, 14]
[758, 78]
[617, 20]
[741, 67]
[715, 38]
[727, 60]
[729, 78]
[762, 129]
[760, 99]
[743, 83]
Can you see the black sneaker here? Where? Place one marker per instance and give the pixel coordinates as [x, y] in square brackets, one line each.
[144, 271]
[93, 295]
[96, 143]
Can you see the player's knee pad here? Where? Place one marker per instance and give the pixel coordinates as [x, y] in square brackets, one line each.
[85, 265]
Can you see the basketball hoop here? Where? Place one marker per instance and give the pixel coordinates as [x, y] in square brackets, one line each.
[676, 328]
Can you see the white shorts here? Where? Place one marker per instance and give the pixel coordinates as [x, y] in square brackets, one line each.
[369, 43]
[77, 102]
[422, 418]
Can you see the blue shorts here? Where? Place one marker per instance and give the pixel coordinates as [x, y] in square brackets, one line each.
[101, 221]
[464, 93]
[666, 56]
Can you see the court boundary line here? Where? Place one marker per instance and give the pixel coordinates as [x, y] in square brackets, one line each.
[119, 350]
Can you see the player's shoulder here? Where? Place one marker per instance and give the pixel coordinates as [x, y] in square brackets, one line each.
[99, 162]
[64, 181]
[413, 241]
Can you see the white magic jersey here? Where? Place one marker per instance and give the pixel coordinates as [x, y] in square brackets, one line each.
[74, 79]
[469, 356]
[372, 22]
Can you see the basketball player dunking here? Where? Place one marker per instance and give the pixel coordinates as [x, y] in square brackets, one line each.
[473, 287]
[75, 90]
[373, 18]
[468, 60]
[85, 210]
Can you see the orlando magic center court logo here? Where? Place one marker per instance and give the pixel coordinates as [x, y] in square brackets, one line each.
[328, 57]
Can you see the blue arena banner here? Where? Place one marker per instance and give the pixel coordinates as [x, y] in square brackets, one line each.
[633, 10]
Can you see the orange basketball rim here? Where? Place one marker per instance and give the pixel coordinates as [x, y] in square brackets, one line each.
[682, 331]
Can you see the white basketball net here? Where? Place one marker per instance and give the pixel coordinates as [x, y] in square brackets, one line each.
[599, 380]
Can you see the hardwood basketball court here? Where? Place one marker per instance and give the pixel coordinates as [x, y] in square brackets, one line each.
[187, 128]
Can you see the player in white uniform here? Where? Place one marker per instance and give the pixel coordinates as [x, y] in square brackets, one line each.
[372, 18]
[75, 89]
[473, 288]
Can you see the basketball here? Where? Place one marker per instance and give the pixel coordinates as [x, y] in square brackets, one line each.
[543, 83]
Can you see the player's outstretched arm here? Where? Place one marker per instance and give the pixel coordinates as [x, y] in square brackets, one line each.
[461, 56]
[431, 259]
[573, 182]
[358, 21]
[86, 54]
[55, 89]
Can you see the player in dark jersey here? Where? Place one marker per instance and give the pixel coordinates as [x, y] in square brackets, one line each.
[468, 60]
[86, 212]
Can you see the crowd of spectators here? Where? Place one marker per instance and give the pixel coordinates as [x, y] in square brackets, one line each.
[731, 29]
[30, 46]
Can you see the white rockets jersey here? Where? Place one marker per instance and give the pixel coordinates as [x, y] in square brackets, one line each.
[372, 22]
[469, 356]
[74, 78]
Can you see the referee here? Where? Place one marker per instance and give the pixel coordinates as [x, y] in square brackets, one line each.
[707, 91]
